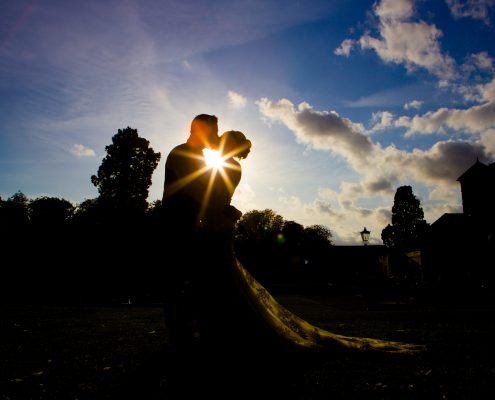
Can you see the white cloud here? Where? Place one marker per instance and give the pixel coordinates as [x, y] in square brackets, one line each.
[291, 201]
[328, 194]
[470, 93]
[244, 197]
[403, 41]
[381, 120]
[416, 104]
[80, 150]
[477, 119]
[345, 48]
[443, 193]
[320, 129]
[476, 65]
[477, 9]
[398, 10]
[443, 83]
[381, 168]
[433, 211]
[487, 139]
[236, 100]
[482, 60]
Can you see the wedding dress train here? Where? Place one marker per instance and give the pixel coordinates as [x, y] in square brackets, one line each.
[294, 329]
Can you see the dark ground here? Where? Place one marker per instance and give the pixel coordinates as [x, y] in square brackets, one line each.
[53, 352]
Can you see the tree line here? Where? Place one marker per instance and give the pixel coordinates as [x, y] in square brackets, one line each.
[112, 244]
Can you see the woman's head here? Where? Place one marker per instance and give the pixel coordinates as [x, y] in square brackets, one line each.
[235, 144]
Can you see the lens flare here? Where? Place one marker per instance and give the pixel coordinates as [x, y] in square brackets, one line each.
[213, 159]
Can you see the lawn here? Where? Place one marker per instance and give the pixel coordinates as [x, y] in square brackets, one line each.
[54, 352]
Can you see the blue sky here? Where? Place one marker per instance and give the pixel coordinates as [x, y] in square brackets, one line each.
[344, 101]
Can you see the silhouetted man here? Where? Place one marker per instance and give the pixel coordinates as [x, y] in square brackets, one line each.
[184, 192]
[186, 175]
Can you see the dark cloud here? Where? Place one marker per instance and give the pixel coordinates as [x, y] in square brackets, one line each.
[379, 185]
[333, 131]
[446, 161]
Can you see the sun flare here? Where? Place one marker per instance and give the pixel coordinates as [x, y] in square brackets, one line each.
[213, 159]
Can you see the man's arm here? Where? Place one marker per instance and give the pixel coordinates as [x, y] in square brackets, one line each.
[184, 175]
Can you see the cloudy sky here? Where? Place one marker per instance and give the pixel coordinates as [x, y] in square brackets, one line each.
[343, 100]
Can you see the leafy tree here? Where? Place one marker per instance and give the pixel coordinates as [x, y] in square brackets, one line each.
[87, 212]
[286, 253]
[318, 235]
[408, 223]
[154, 208]
[50, 211]
[154, 214]
[317, 240]
[259, 225]
[274, 249]
[258, 242]
[303, 246]
[124, 176]
[14, 211]
[292, 234]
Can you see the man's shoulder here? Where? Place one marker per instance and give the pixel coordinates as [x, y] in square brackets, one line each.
[178, 151]
[179, 148]
[184, 157]
[184, 149]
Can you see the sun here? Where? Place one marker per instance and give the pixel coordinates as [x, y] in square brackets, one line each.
[213, 159]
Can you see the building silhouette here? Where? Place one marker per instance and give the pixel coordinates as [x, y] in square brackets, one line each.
[477, 187]
[459, 251]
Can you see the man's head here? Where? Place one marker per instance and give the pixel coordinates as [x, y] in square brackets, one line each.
[204, 131]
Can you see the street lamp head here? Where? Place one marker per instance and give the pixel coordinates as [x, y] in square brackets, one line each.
[365, 235]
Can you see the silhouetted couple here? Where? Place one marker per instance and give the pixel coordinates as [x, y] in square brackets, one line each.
[211, 301]
[199, 221]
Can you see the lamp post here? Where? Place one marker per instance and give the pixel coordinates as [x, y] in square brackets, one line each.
[365, 235]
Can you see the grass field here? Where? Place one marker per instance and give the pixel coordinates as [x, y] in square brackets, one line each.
[50, 352]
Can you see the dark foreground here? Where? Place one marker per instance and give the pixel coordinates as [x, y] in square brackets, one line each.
[121, 352]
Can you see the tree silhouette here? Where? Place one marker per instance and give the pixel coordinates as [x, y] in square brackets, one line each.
[258, 244]
[292, 234]
[274, 249]
[318, 236]
[124, 175]
[154, 208]
[408, 224]
[14, 212]
[302, 246]
[259, 225]
[87, 212]
[50, 211]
